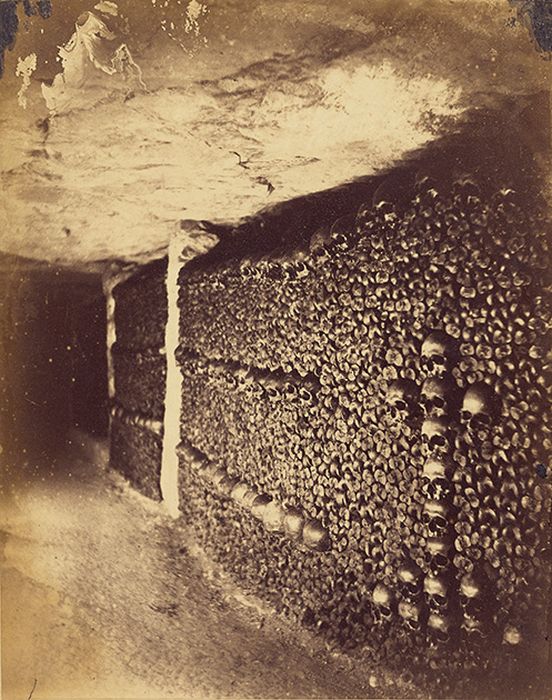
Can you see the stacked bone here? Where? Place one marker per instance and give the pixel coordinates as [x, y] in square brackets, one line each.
[289, 521]
[139, 364]
[422, 449]
[273, 433]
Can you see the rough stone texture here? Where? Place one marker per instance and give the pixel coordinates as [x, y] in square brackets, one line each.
[214, 112]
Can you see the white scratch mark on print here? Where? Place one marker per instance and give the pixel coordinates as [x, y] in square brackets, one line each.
[25, 68]
[194, 11]
[108, 8]
[92, 46]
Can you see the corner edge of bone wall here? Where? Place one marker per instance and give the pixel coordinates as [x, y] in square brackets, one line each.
[179, 254]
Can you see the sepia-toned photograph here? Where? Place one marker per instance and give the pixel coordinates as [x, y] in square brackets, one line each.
[275, 349]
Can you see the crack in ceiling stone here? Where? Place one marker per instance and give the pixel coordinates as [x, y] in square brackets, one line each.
[282, 100]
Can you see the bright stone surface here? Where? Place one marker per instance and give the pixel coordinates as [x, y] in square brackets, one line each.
[215, 111]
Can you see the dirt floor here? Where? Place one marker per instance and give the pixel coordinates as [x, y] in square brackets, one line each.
[101, 597]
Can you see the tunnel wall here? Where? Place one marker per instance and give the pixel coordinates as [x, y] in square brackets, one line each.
[365, 433]
[139, 366]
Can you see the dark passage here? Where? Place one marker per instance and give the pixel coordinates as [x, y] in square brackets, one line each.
[53, 356]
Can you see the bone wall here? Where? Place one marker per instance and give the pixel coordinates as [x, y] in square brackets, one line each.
[365, 433]
[139, 368]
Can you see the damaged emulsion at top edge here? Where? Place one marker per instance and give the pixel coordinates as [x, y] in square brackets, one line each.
[9, 22]
[539, 15]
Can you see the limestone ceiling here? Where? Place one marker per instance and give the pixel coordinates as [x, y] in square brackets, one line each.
[119, 120]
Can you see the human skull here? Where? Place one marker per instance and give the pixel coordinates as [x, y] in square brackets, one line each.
[293, 523]
[319, 244]
[473, 626]
[315, 536]
[438, 353]
[439, 627]
[384, 212]
[257, 266]
[259, 505]
[273, 386]
[364, 216]
[464, 191]
[216, 474]
[295, 264]
[239, 491]
[249, 497]
[382, 222]
[342, 232]
[411, 613]
[438, 468]
[512, 635]
[263, 262]
[436, 434]
[436, 516]
[471, 594]
[437, 475]
[382, 597]
[410, 578]
[227, 484]
[439, 551]
[290, 389]
[273, 517]
[274, 265]
[479, 406]
[437, 396]
[427, 195]
[505, 203]
[436, 590]
[245, 265]
[306, 393]
[243, 375]
[402, 395]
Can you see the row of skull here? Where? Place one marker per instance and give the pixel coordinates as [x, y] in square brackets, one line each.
[276, 518]
[437, 473]
[438, 397]
[430, 601]
[324, 348]
[338, 238]
[274, 384]
[370, 221]
[261, 438]
[430, 356]
[439, 393]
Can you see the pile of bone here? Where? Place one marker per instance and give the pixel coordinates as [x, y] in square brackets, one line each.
[427, 328]
[136, 454]
[141, 309]
[140, 379]
[275, 415]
